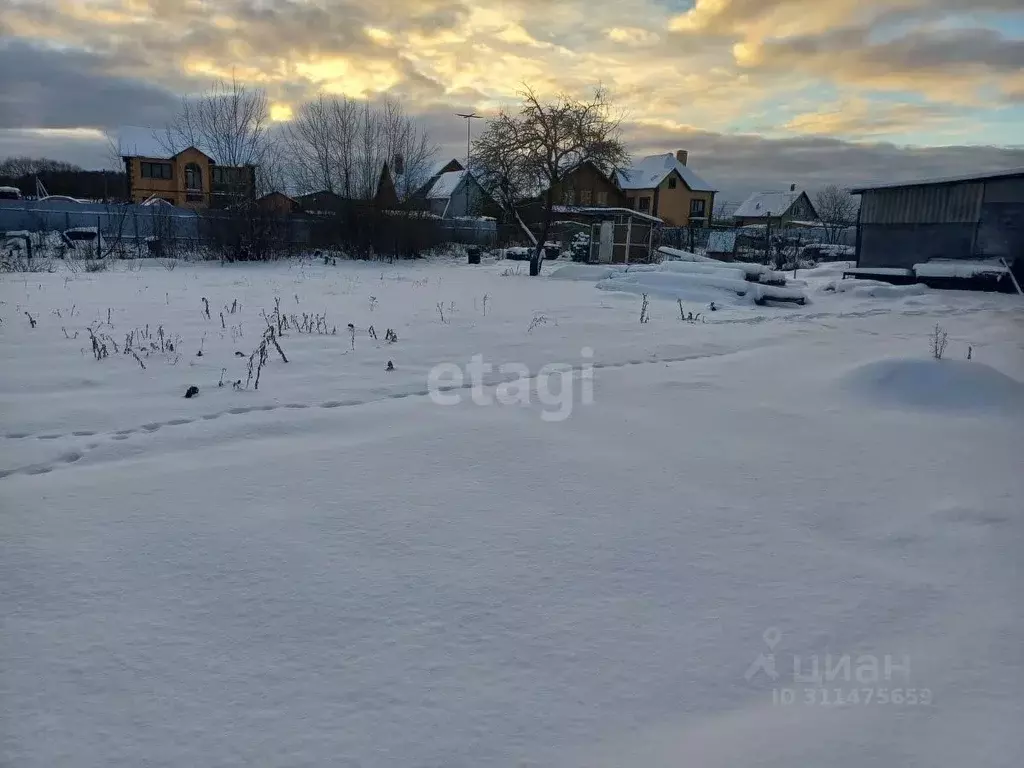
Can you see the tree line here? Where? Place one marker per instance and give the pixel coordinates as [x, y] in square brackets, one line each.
[331, 143]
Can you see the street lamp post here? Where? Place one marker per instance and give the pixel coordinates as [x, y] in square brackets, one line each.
[469, 118]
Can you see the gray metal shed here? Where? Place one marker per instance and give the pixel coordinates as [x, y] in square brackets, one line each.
[966, 217]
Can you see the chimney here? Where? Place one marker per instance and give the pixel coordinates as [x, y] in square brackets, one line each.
[681, 156]
[792, 187]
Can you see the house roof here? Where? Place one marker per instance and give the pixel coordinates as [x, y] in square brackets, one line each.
[761, 204]
[445, 185]
[652, 170]
[1008, 172]
[277, 193]
[451, 165]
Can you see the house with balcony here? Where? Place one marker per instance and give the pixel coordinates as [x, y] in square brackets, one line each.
[189, 179]
[664, 186]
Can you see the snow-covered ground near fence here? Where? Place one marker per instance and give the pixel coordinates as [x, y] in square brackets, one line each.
[875, 289]
[336, 570]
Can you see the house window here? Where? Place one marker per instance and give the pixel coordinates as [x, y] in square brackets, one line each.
[586, 197]
[155, 170]
[226, 175]
[671, 182]
[697, 208]
[567, 197]
[193, 183]
[645, 204]
[602, 197]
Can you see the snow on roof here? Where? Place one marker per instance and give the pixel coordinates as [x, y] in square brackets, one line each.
[445, 185]
[760, 204]
[960, 268]
[942, 180]
[603, 210]
[653, 169]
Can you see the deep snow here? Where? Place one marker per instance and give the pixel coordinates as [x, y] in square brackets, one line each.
[335, 570]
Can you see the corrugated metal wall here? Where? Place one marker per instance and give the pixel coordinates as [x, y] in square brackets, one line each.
[904, 245]
[936, 204]
[903, 227]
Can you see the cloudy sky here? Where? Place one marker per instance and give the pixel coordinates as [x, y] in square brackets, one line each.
[761, 92]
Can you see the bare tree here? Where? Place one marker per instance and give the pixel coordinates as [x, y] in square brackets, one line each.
[341, 145]
[16, 167]
[722, 210]
[837, 210]
[406, 146]
[369, 153]
[541, 143]
[311, 145]
[498, 165]
[230, 121]
[343, 119]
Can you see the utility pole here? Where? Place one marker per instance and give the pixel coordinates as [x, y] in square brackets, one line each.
[469, 118]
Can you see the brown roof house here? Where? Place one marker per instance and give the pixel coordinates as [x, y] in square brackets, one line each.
[665, 187]
[278, 204]
[586, 185]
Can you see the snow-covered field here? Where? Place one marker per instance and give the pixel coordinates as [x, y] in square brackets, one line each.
[337, 570]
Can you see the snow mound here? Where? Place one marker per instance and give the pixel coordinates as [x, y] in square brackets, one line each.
[706, 283]
[944, 385]
[700, 288]
[698, 268]
[583, 272]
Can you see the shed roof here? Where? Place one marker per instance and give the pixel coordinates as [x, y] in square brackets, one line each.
[1005, 173]
[604, 211]
[653, 169]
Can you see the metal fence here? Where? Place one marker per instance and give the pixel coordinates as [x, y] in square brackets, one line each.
[168, 229]
[115, 222]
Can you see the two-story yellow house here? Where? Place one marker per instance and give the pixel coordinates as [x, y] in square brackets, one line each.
[190, 179]
[663, 186]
